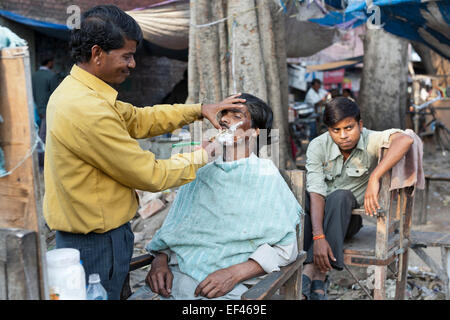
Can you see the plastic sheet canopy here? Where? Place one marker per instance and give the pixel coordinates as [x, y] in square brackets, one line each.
[427, 22]
[166, 26]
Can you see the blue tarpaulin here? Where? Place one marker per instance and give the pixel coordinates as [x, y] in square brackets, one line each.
[55, 30]
[427, 22]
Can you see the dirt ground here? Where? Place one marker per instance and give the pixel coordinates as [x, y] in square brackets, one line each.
[423, 284]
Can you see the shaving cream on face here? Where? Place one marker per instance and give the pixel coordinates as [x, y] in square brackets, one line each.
[226, 137]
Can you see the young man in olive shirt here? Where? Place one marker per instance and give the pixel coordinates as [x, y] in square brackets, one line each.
[343, 173]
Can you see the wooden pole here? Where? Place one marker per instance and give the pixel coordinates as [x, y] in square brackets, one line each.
[20, 191]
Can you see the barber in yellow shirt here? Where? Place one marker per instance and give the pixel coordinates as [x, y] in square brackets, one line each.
[93, 163]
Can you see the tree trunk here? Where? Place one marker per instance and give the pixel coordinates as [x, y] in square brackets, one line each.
[243, 51]
[383, 95]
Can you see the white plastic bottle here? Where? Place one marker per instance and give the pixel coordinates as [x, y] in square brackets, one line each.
[66, 277]
[95, 290]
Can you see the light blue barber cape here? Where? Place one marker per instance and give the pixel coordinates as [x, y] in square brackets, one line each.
[226, 213]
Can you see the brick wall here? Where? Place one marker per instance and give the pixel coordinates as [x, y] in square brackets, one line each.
[56, 10]
[153, 78]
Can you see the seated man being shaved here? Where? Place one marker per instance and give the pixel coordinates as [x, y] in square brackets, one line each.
[233, 224]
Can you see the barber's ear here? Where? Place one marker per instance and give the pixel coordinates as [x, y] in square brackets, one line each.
[96, 53]
[255, 132]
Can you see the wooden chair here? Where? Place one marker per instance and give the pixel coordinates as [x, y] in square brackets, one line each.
[387, 243]
[287, 281]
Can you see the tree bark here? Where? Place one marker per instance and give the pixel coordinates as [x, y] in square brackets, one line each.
[383, 95]
[243, 53]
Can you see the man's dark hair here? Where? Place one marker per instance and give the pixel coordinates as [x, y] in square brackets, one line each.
[338, 109]
[260, 112]
[261, 115]
[46, 58]
[106, 26]
[316, 81]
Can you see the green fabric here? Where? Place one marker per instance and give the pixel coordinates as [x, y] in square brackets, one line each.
[327, 171]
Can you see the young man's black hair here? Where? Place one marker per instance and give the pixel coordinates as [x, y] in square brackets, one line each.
[340, 108]
[106, 26]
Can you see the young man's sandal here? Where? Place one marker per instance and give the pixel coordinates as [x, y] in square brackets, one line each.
[318, 285]
[306, 287]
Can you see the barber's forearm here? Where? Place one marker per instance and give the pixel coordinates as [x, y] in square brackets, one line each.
[317, 208]
[246, 270]
[398, 148]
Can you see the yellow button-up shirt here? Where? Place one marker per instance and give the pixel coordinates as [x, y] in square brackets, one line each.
[93, 162]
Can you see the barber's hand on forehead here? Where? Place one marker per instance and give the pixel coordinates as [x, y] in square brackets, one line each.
[210, 111]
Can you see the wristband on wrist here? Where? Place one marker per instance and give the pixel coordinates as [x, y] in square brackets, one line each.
[320, 236]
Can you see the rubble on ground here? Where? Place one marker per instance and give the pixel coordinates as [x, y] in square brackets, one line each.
[421, 285]
[153, 209]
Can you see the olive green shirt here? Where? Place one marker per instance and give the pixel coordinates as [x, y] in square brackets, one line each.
[327, 171]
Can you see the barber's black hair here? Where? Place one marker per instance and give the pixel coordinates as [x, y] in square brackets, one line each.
[316, 81]
[106, 26]
[338, 109]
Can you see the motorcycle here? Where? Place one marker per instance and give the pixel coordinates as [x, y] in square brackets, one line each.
[304, 127]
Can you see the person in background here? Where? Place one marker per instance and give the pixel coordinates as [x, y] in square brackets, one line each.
[348, 94]
[44, 81]
[316, 96]
[334, 93]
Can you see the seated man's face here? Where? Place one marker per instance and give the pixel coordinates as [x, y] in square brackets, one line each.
[234, 116]
[346, 133]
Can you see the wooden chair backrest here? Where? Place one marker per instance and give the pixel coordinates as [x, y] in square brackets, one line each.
[296, 180]
[394, 217]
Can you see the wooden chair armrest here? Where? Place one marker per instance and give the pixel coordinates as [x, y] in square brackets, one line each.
[265, 288]
[140, 261]
[361, 211]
